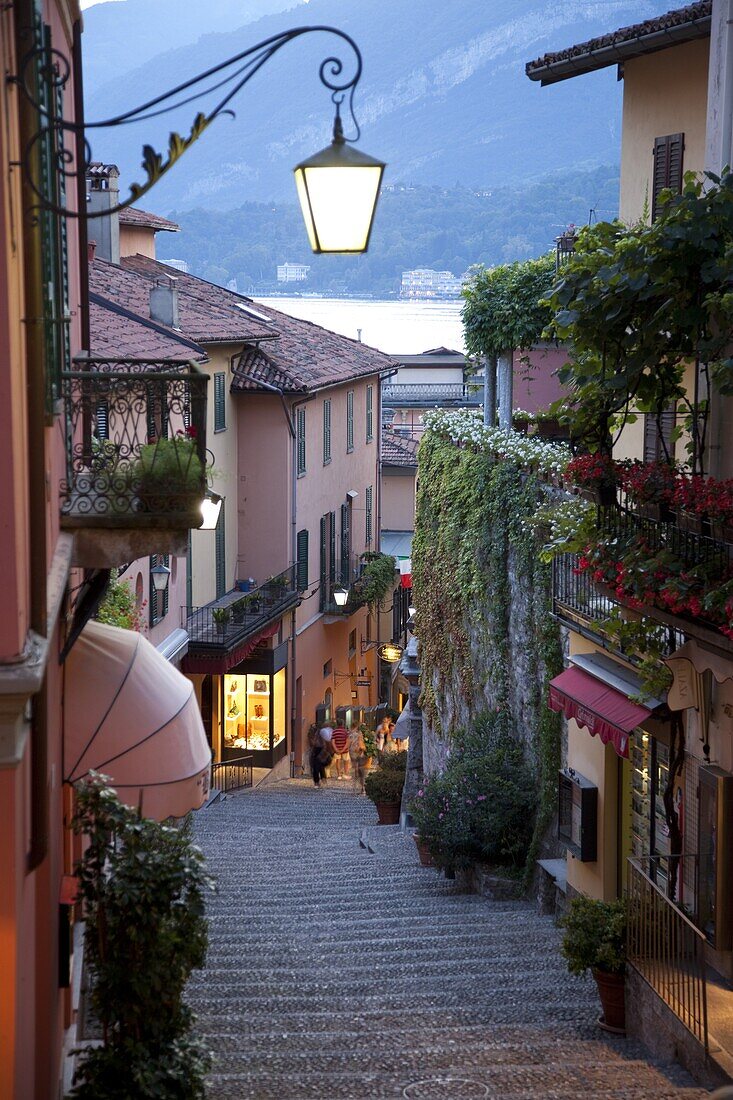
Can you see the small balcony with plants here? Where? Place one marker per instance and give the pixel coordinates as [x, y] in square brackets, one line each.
[361, 580]
[237, 617]
[135, 457]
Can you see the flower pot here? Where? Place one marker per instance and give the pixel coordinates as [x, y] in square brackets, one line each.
[388, 813]
[661, 513]
[423, 851]
[689, 521]
[611, 989]
[603, 495]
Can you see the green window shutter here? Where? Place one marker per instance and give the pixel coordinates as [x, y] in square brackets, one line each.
[350, 420]
[189, 573]
[332, 546]
[302, 567]
[166, 594]
[345, 543]
[220, 397]
[323, 565]
[667, 167]
[326, 431]
[300, 440]
[369, 413]
[152, 592]
[220, 562]
[368, 510]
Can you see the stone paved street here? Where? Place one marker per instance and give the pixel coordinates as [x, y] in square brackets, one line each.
[334, 972]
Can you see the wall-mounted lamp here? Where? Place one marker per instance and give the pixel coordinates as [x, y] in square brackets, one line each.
[210, 509]
[161, 575]
[340, 596]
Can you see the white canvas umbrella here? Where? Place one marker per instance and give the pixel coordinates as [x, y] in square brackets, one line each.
[133, 716]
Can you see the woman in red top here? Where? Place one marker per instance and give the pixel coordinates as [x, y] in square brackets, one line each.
[340, 742]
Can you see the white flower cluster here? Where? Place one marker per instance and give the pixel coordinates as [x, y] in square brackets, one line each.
[465, 427]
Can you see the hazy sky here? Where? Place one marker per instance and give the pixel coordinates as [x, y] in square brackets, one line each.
[89, 3]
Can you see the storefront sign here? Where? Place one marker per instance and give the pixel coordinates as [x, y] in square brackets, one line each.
[363, 683]
[390, 652]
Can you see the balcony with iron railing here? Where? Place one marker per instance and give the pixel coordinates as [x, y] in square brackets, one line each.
[228, 622]
[425, 395]
[135, 456]
[344, 578]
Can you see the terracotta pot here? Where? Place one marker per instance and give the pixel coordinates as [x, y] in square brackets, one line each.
[388, 813]
[611, 991]
[662, 513]
[426, 860]
[689, 521]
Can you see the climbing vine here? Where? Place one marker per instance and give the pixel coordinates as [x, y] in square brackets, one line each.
[486, 635]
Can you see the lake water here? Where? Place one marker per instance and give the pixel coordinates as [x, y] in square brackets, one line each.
[397, 328]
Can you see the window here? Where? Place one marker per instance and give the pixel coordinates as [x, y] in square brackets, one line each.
[352, 643]
[300, 441]
[220, 396]
[327, 668]
[350, 420]
[302, 565]
[659, 436]
[326, 431]
[369, 414]
[667, 167]
[158, 600]
[368, 513]
[220, 554]
[327, 558]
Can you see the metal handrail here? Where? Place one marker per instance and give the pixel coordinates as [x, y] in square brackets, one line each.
[667, 950]
[232, 775]
[431, 391]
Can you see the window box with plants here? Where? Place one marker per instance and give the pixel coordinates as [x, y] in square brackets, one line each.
[384, 786]
[171, 476]
[650, 488]
[596, 477]
[595, 940]
[221, 617]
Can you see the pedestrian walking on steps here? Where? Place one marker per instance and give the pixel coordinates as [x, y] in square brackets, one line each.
[317, 754]
[340, 742]
[358, 758]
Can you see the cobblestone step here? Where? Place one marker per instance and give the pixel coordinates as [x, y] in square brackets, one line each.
[337, 972]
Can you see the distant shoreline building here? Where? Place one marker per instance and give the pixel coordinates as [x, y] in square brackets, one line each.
[180, 265]
[292, 273]
[424, 282]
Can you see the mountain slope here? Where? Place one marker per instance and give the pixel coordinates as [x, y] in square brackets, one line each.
[443, 98]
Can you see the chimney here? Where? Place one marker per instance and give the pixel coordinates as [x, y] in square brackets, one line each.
[164, 302]
[102, 194]
[91, 251]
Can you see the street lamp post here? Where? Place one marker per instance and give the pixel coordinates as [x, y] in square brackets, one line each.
[338, 187]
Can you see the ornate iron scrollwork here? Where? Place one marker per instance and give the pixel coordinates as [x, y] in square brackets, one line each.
[55, 70]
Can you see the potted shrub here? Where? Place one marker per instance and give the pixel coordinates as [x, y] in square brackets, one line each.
[384, 787]
[595, 940]
[370, 744]
[171, 475]
[596, 476]
[221, 617]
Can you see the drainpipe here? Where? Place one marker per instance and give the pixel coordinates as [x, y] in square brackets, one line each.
[36, 455]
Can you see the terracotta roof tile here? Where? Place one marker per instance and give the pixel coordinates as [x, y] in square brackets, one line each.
[398, 450]
[661, 32]
[200, 321]
[131, 215]
[304, 356]
[116, 334]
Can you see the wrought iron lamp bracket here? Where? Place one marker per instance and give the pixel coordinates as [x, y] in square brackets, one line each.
[243, 67]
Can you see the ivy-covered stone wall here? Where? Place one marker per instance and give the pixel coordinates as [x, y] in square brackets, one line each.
[483, 597]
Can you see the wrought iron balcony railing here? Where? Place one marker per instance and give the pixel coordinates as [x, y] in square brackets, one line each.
[346, 575]
[135, 443]
[237, 616]
[422, 395]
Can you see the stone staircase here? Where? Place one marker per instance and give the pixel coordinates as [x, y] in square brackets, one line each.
[336, 971]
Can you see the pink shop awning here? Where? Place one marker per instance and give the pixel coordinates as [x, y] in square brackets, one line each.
[600, 709]
[134, 717]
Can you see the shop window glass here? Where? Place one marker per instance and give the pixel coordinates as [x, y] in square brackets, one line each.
[278, 707]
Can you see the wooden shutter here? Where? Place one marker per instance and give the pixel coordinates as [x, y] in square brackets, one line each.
[166, 594]
[300, 436]
[345, 543]
[323, 563]
[332, 546]
[189, 573]
[658, 441]
[326, 431]
[220, 555]
[369, 413]
[368, 510]
[667, 167]
[302, 569]
[152, 592]
[350, 420]
[220, 412]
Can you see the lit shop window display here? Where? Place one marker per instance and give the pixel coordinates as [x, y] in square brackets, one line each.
[254, 715]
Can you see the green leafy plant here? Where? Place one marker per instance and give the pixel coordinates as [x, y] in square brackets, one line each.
[481, 808]
[143, 886]
[119, 607]
[171, 475]
[595, 935]
[369, 739]
[385, 783]
[221, 616]
[377, 578]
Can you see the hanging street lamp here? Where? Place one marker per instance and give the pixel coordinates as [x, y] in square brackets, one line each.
[161, 575]
[210, 509]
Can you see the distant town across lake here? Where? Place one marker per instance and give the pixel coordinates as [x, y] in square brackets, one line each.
[396, 327]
